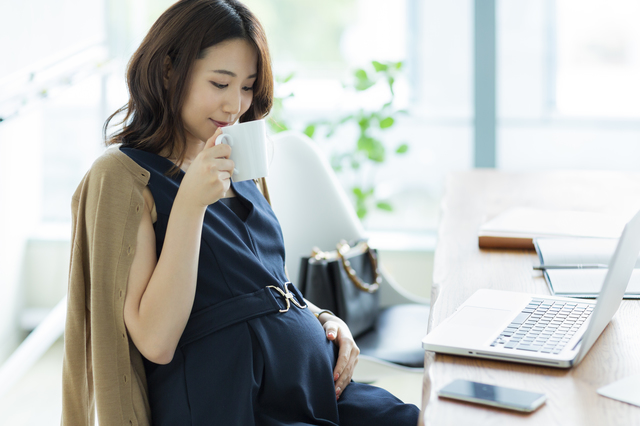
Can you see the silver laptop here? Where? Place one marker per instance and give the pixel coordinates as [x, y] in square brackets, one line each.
[533, 329]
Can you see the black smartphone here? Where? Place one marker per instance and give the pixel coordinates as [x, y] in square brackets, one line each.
[495, 396]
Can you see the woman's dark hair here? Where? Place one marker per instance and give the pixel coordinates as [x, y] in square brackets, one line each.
[153, 121]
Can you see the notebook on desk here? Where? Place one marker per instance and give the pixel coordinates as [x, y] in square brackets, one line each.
[576, 267]
[533, 329]
[517, 227]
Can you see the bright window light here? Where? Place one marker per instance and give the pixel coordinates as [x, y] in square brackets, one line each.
[598, 51]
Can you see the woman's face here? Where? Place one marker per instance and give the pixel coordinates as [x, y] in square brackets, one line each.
[221, 88]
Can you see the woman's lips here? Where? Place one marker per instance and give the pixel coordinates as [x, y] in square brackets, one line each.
[220, 123]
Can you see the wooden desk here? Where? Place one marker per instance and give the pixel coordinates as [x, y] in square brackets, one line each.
[461, 268]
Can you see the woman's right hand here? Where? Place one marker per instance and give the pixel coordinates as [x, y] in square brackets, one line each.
[208, 178]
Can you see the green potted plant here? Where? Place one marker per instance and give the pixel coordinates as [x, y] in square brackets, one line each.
[367, 151]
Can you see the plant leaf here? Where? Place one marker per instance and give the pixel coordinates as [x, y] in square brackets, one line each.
[363, 82]
[285, 79]
[361, 74]
[361, 205]
[361, 212]
[362, 85]
[288, 78]
[310, 130]
[402, 149]
[377, 156]
[364, 123]
[386, 123]
[365, 144]
[384, 205]
[379, 66]
[375, 150]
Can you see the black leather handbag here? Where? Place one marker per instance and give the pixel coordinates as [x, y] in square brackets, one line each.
[345, 281]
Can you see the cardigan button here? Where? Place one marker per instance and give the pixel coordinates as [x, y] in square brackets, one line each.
[129, 250]
[125, 378]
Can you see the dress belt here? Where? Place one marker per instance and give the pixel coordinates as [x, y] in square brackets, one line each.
[238, 309]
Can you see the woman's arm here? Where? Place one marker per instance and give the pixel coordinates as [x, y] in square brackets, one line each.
[338, 332]
[161, 292]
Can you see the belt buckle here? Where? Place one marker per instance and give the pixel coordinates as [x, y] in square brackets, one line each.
[288, 297]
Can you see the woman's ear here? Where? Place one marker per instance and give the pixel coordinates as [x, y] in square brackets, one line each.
[166, 72]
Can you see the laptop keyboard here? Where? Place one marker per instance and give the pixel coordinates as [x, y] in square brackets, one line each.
[544, 326]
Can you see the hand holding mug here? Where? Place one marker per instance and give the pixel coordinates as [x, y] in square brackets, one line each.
[249, 149]
[208, 177]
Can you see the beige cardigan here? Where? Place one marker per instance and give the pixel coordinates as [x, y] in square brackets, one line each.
[101, 365]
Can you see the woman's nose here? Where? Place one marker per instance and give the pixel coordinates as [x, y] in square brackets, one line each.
[232, 103]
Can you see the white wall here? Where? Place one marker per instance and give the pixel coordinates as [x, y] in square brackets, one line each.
[47, 148]
[20, 194]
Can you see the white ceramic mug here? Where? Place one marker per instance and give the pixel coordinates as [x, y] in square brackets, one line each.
[248, 142]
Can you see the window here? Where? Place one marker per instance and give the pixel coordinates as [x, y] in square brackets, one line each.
[567, 86]
[50, 100]
[322, 44]
[598, 47]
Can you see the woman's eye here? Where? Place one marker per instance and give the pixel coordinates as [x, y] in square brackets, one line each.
[247, 88]
[219, 86]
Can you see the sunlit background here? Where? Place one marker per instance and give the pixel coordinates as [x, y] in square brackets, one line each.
[567, 79]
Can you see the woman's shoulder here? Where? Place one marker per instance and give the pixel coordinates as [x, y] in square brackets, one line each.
[116, 164]
[114, 172]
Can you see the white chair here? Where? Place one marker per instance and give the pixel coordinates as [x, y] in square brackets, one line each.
[314, 211]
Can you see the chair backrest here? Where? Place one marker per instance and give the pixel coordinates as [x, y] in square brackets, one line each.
[311, 205]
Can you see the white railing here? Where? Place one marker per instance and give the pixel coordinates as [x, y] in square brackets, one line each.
[42, 81]
[33, 347]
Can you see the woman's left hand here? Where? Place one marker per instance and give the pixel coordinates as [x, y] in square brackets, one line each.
[338, 332]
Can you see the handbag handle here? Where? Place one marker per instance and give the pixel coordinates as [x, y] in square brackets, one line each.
[352, 274]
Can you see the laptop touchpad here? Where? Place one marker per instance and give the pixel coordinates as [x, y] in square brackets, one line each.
[470, 326]
[475, 316]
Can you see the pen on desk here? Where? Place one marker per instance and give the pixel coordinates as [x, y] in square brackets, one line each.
[584, 266]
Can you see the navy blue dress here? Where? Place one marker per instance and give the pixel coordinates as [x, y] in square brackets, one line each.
[240, 360]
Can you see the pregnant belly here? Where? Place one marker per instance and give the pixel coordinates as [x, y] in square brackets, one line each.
[294, 339]
[272, 370]
[298, 363]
